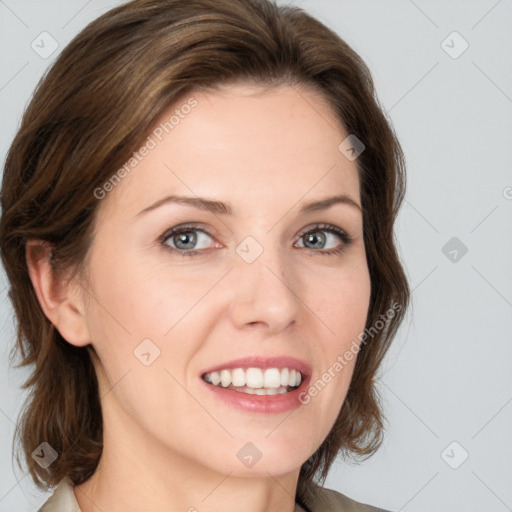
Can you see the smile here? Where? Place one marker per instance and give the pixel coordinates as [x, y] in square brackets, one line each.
[258, 384]
[256, 381]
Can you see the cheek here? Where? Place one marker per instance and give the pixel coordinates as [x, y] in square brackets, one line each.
[343, 309]
[343, 302]
[137, 299]
[146, 314]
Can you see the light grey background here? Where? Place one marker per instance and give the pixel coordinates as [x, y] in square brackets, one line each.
[447, 378]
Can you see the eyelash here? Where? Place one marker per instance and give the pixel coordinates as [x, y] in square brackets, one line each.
[186, 228]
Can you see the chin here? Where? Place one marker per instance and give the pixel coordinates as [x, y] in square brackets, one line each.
[259, 459]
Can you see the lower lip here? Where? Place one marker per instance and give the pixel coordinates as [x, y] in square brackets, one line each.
[268, 404]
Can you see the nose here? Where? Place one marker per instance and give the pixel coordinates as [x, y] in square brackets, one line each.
[265, 292]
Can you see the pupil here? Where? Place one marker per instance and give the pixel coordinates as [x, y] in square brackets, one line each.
[182, 238]
[314, 238]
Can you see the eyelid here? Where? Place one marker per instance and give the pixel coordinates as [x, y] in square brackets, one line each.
[188, 226]
[323, 226]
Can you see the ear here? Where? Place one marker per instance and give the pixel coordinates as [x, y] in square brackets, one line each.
[60, 300]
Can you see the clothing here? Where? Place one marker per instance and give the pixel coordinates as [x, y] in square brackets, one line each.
[322, 500]
[329, 500]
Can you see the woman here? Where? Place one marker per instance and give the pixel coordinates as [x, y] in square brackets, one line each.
[197, 228]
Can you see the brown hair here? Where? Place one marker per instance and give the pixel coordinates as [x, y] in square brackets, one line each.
[92, 110]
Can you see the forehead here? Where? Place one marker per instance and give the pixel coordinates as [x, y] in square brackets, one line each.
[240, 141]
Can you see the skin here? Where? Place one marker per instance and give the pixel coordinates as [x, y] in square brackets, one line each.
[168, 444]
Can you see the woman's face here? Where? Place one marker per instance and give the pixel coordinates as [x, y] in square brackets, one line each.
[257, 278]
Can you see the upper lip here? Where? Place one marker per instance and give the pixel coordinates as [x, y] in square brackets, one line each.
[263, 363]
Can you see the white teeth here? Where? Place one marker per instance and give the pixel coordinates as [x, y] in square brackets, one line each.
[271, 378]
[225, 378]
[285, 374]
[256, 379]
[238, 377]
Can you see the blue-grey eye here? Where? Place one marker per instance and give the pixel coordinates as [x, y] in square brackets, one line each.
[318, 238]
[188, 239]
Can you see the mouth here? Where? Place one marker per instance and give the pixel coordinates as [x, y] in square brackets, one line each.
[256, 380]
[263, 385]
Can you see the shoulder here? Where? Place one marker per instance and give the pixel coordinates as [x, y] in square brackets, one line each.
[321, 499]
[62, 500]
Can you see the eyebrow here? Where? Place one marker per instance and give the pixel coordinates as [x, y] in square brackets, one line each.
[218, 207]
